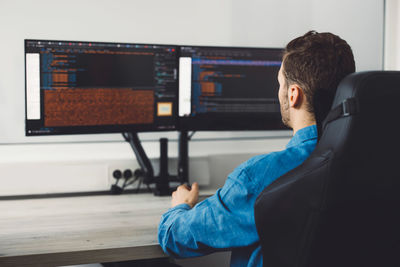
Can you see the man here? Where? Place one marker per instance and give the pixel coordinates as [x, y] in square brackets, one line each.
[313, 65]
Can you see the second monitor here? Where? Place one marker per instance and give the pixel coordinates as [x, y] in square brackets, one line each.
[229, 88]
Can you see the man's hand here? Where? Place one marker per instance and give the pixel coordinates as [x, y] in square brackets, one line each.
[184, 195]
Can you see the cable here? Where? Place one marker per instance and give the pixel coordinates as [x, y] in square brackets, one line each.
[191, 135]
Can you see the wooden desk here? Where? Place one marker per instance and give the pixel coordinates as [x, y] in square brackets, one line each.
[77, 230]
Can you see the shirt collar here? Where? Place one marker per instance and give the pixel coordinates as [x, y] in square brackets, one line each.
[302, 135]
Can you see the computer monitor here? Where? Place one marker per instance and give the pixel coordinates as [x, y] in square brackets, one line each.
[98, 87]
[229, 88]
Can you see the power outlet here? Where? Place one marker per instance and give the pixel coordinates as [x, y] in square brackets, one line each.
[120, 165]
[199, 170]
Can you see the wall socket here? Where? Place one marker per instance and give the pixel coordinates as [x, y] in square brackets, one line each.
[199, 170]
[120, 165]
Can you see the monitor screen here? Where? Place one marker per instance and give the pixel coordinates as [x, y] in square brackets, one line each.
[92, 87]
[229, 88]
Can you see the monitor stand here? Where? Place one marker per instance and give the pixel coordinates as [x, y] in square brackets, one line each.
[183, 157]
[145, 173]
[146, 168]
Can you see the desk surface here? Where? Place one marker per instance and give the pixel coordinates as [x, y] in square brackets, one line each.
[77, 230]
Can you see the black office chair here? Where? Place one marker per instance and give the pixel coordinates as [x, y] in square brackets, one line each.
[341, 207]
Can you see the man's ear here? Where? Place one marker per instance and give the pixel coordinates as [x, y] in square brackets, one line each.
[295, 96]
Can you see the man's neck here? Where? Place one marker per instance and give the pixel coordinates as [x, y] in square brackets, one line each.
[302, 121]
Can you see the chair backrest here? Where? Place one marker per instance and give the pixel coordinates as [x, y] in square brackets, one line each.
[341, 207]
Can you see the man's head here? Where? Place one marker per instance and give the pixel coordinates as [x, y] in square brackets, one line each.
[313, 65]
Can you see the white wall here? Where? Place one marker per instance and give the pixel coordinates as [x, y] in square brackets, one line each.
[392, 35]
[359, 22]
[207, 22]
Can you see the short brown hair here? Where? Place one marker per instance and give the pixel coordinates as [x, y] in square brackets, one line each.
[317, 62]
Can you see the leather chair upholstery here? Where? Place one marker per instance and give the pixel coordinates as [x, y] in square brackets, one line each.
[341, 207]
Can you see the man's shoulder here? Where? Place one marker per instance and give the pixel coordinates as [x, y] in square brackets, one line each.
[263, 169]
[259, 165]
[262, 160]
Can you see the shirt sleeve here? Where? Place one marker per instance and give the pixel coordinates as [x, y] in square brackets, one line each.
[220, 222]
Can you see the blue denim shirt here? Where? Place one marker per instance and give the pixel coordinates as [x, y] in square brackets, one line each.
[225, 221]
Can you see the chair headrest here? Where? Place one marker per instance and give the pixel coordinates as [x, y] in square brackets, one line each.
[365, 108]
[372, 83]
